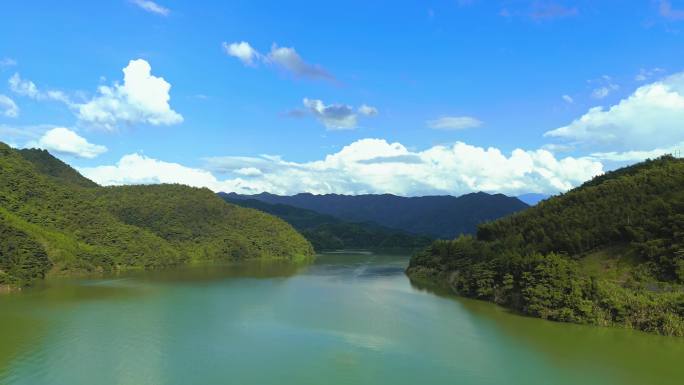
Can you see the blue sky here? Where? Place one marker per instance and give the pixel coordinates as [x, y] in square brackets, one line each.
[451, 89]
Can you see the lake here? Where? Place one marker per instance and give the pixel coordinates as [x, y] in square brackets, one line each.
[349, 318]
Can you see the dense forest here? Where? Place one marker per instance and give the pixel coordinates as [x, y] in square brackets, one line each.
[610, 252]
[434, 216]
[326, 232]
[53, 220]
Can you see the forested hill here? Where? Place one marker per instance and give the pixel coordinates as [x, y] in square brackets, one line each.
[49, 165]
[326, 232]
[608, 252]
[436, 216]
[53, 221]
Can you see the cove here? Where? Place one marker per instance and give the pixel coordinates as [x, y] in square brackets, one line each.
[349, 318]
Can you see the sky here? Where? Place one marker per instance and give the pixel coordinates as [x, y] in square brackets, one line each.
[410, 98]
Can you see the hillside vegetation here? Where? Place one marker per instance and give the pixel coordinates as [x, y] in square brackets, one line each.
[326, 232]
[610, 252]
[52, 221]
[434, 216]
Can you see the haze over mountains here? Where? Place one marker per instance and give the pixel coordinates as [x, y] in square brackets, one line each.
[436, 216]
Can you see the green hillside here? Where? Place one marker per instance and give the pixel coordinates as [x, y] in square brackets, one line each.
[326, 232]
[52, 221]
[49, 165]
[610, 252]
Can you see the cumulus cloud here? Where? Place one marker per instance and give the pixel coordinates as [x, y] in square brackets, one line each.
[454, 123]
[243, 51]
[368, 166]
[649, 118]
[333, 116]
[142, 98]
[568, 99]
[140, 169]
[27, 88]
[152, 7]
[8, 107]
[367, 110]
[285, 58]
[67, 142]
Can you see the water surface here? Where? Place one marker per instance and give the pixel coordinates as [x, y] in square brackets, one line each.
[347, 319]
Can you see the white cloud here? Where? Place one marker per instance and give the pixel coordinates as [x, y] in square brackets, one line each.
[248, 171]
[637, 156]
[368, 166]
[367, 110]
[568, 99]
[604, 91]
[64, 141]
[646, 74]
[454, 123]
[288, 59]
[649, 118]
[27, 88]
[142, 98]
[285, 58]
[243, 51]
[23, 87]
[152, 7]
[8, 107]
[139, 169]
[333, 116]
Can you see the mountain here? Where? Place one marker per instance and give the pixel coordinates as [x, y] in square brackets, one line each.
[435, 216]
[532, 198]
[54, 221]
[610, 252]
[49, 165]
[326, 232]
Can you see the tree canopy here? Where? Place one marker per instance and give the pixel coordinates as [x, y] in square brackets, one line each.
[608, 252]
[52, 220]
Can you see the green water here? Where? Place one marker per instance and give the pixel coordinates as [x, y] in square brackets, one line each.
[347, 319]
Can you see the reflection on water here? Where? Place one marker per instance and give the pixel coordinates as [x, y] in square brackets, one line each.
[632, 356]
[347, 318]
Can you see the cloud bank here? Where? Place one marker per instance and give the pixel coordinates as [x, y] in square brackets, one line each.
[367, 166]
[650, 118]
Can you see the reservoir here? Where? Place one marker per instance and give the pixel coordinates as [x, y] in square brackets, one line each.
[348, 318]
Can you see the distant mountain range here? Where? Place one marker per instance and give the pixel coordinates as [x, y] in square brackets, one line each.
[435, 216]
[326, 232]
